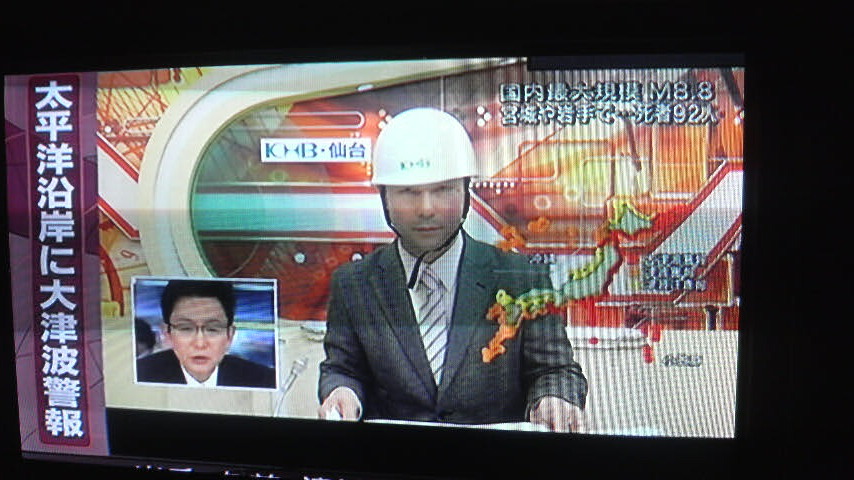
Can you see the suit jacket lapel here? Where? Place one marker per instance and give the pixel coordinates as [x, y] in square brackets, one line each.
[224, 377]
[172, 369]
[475, 294]
[390, 287]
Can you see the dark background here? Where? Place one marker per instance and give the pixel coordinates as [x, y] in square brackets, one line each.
[793, 403]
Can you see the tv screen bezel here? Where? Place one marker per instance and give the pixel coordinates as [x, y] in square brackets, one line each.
[767, 393]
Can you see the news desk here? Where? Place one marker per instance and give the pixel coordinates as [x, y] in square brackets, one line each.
[627, 396]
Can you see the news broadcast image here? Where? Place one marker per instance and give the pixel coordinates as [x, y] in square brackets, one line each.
[625, 184]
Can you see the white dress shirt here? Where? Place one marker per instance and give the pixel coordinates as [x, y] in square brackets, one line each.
[446, 267]
[192, 382]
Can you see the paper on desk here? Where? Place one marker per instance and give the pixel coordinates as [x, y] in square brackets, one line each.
[516, 426]
[632, 432]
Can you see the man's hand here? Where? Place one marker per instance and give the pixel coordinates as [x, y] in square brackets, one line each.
[558, 415]
[341, 404]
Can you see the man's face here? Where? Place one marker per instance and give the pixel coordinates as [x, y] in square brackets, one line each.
[426, 215]
[200, 335]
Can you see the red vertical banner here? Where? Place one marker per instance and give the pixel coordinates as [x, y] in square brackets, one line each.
[56, 224]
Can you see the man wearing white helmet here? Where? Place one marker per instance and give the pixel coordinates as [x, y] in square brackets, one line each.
[406, 324]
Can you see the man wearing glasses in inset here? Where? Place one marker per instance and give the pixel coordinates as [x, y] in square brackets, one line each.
[198, 320]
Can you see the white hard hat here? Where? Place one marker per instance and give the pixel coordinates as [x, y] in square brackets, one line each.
[422, 146]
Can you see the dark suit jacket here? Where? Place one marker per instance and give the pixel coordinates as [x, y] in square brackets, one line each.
[163, 367]
[373, 345]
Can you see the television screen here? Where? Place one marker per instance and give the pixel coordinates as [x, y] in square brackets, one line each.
[434, 251]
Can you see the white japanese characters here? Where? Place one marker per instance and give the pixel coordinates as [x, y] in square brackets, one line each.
[669, 103]
[52, 119]
[60, 339]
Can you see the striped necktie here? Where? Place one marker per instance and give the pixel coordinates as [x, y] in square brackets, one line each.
[433, 321]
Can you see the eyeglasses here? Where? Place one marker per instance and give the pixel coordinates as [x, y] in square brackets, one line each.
[187, 330]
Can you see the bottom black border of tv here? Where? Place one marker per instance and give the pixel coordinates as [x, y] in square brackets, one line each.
[353, 450]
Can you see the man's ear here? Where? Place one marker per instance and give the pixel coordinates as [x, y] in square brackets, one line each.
[167, 335]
